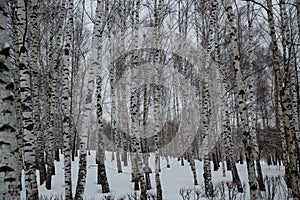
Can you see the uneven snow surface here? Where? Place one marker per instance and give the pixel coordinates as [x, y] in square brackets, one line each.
[172, 179]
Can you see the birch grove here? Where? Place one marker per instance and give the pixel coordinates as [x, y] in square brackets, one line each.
[143, 88]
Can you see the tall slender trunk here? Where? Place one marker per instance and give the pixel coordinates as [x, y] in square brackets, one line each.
[193, 164]
[145, 147]
[114, 131]
[123, 114]
[101, 16]
[29, 136]
[87, 111]
[16, 48]
[10, 177]
[66, 61]
[59, 67]
[136, 139]
[298, 16]
[157, 96]
[242, 107]
[101, 178]
[284, 107]
[226, 134]
[52, 74]
[290, 79]
[35, 93]
[207, 117]
[252, 101]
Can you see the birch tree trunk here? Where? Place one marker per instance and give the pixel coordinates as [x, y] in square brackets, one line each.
[157, 97]
[287, 44]
[136, 139]
[16, 48]
[101, 20]
[298, 15]
[101, 178]
[114, 131]
[286, 81]
[87, 111]
[291, 104]
[29, 136]
[10, 178]
[283, 108]
[51, 94]
[206, 104]
[252, 101]
[226, 128]
[278, 85]
[35, 93]
[123, 94]
[67, 57]
[145, 145]
[242, 107]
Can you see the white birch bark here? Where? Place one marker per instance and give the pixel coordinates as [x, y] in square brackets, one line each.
[157, 97]
[29, 136]
[298, 16]
[284, 112]
[292, 133]
[136, 140]
[97, 42]
[87, 110]
[9, 177]
[242, 107]
[252, 100]
[16, 48]
[292, 81]
[35, 92]
[114, 115]
[123, 94]
[207, 117]
[67, 57]
[51, 94]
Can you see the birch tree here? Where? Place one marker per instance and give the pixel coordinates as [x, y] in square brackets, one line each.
[298, 14]
[157, 95]
[9, 177]
[29, 136]
[283, 107]
[242, 107]
[51, 93]
[226, 134]
[35, 92]
[206, 104]
[290, 74]
[97, 50]
[16, 41]
[252, 98]
[136, 139]
[67, 57]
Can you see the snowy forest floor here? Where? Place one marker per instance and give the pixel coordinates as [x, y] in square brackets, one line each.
[173, 180]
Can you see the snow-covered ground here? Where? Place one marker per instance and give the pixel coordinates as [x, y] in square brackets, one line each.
[172, 179]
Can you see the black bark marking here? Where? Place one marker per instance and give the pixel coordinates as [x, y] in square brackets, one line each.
[3, 67]
[10, 86]
[7, 127]
[23, 49]
[5, 52]
[6, 169]
[67, 52]
[22, 66]
[9, 98]
[241, 92]
[4, 143]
